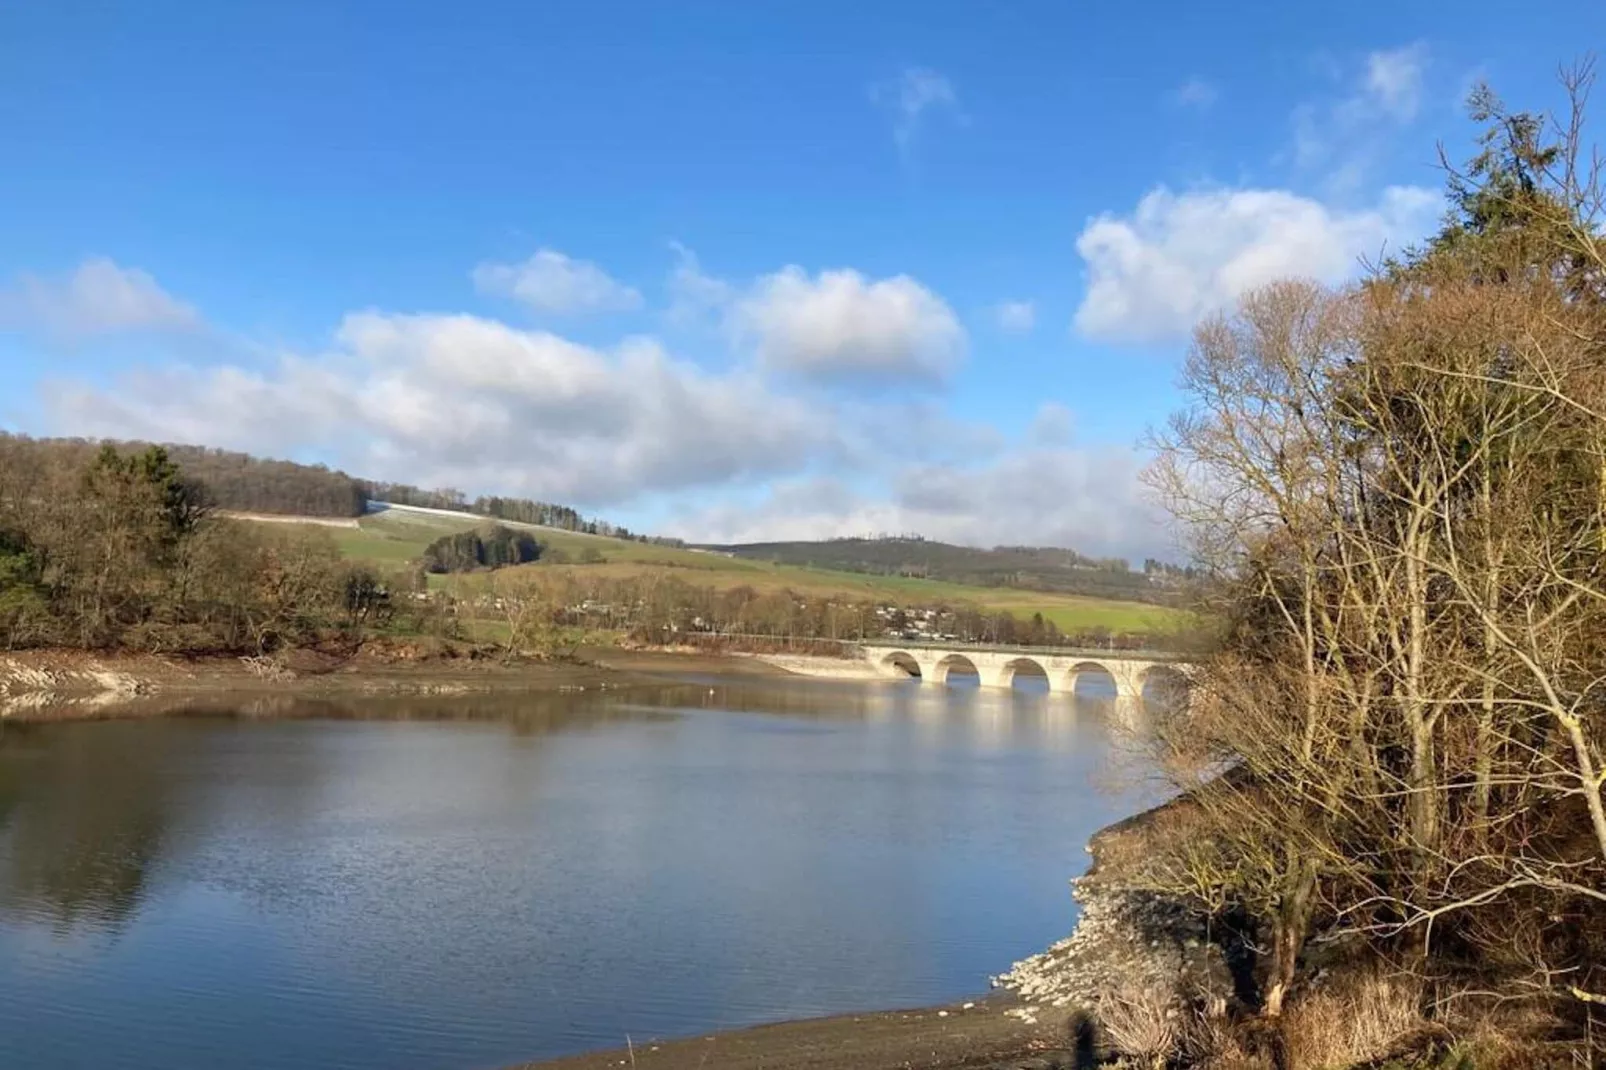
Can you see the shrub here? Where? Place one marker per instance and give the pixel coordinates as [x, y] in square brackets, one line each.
[1362, 1020]
[1142, 1021]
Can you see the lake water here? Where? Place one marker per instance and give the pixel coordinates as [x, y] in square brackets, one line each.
[461, 883]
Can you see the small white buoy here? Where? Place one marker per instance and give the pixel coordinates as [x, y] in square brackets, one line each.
[942, 1014]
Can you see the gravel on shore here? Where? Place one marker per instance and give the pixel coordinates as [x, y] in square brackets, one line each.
[1123, 939]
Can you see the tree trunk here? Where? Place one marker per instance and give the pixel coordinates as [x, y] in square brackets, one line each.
[1483, 760]
[1423, 801]
[1290, 927]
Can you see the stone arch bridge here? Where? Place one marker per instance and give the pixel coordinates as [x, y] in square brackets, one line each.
[997, 666]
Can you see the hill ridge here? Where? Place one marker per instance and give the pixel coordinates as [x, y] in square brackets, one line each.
[1027, 568]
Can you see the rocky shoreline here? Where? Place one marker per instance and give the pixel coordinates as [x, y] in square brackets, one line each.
[1127, 938]
[1122, 939]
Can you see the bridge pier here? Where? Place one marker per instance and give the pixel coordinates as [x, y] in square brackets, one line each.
[1128, 678]
[996, 675]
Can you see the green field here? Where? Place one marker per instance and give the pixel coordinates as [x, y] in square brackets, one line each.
[394, 538]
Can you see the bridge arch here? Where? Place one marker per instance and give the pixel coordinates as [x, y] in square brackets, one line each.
[1091, 671]
[901, 663]
[1005, 674]
[950, 662]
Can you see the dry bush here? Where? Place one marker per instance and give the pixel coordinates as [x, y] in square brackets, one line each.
[1143, 1022]
[1352, 1023]
[1210, 1042]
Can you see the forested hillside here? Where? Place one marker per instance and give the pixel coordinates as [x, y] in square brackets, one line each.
[1033, 568]
[239, 482]
[235, 482]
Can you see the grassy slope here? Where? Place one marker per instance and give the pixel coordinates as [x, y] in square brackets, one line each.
[395, 537]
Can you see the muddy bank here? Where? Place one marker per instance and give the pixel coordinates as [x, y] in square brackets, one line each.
[65, 684]
[988, 1034]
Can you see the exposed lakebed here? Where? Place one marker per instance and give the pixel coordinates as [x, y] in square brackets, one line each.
[469, 882]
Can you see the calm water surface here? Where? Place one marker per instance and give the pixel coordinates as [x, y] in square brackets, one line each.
[457, 883]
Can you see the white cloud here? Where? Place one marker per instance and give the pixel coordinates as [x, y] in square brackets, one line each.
[1086, 499]
[915, 92]
[835, 326]
[469, 401]
[1341, 139]
[692, 293]
[1016, 317]
[1196, 93]
[465, 401]
[551, 282]
[99, 297]
[840, 325]
[1394, 80]
[1052, 426]
[1178, 257]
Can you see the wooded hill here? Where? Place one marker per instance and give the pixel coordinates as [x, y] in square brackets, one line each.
[241, 483]
[1031, 568]
[237, 482]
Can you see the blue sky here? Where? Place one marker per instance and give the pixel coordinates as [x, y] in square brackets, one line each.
[718, 270]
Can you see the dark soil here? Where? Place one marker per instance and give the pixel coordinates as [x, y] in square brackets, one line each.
[933, 1038]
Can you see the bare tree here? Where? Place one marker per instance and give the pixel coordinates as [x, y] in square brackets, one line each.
[1399, 490]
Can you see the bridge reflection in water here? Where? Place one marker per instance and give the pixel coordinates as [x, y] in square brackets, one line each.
[1000, 718]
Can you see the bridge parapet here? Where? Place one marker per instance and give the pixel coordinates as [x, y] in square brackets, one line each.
[1096, 652]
